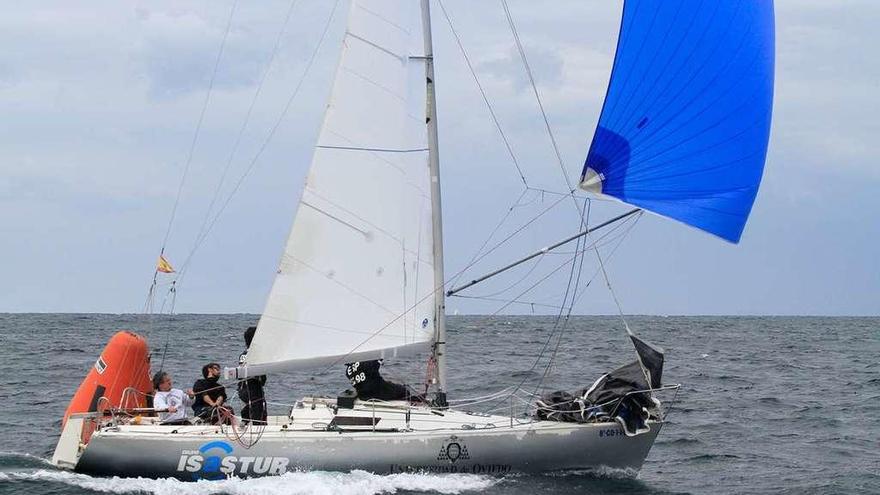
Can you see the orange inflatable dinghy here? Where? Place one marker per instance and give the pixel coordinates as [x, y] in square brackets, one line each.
[124, 363]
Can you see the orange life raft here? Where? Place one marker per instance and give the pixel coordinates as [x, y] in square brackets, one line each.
[124, 363]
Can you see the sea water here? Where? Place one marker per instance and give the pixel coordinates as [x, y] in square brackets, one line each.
[767, 404]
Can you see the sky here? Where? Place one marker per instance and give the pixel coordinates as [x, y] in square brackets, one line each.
[100, 103]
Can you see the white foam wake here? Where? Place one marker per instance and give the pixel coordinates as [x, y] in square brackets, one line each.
[293, 483]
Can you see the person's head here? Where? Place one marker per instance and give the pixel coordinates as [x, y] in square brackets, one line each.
[249, 335]
[162, 381]
[211, 370]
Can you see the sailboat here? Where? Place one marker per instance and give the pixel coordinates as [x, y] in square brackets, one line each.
[683, 133]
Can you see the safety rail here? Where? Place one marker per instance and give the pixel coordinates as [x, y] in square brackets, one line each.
[129, 394]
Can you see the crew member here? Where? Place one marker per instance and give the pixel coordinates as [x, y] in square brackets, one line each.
[369, 384]
[210, 395]
[250, 390]
[170, 402]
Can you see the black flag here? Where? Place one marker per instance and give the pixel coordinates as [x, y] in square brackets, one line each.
[651, 359]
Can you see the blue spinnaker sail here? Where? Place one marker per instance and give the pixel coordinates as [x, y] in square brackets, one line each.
[686, 120]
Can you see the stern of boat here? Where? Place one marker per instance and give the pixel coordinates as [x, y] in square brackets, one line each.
[75, 435]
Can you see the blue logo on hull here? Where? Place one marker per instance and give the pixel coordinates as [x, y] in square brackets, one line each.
[213, 461]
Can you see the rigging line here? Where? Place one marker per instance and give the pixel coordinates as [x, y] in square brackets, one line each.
[556, 324]
[543, 348]
[536, 198]
[585, 216]
[544, 250]
[442, 285]
[611, 290]
[151, 293]
[513, 234]
[600, 243]
[265, 143]
[483, 93]
[612, 237]
[550, 192]
[247, 118]
[552, 272]
[608, 257]
[148, 303]
[557, 321]
[520, 280]
[528, 68]
[470, 263]
[195, 138]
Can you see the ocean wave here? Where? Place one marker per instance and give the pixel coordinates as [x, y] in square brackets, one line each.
[292, 483]
[20, 460]
[708, 457]
[678, 441]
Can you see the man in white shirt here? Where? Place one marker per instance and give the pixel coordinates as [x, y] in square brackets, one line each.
[172, 402]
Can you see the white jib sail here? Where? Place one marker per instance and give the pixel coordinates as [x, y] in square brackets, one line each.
[356, 278]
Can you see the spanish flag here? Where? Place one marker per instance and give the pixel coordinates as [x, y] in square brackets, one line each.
[164, 266]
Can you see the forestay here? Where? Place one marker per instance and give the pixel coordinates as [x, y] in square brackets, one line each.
[356, 278]
[685, 124]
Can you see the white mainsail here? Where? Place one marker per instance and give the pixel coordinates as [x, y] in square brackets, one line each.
[356, 280]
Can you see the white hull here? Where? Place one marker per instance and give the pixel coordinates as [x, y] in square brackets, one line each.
[433, 441]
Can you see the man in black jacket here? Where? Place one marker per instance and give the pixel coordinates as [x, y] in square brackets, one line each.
[250, 391]
[366, 379]
[210, 395]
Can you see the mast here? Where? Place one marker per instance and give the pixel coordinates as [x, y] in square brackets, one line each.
[436, 211]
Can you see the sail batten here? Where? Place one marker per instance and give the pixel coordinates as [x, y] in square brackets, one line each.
[356, 280]
[686, 120]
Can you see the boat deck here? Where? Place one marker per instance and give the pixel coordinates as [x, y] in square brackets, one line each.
[321, 415]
